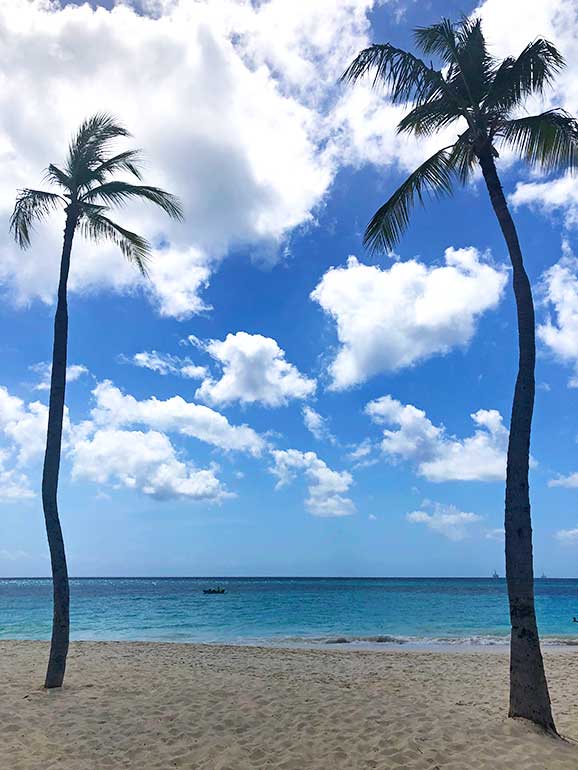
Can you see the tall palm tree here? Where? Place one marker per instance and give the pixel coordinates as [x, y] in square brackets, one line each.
[87, 190]
[485, 96]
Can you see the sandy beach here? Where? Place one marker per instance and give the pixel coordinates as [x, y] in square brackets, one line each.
[161, 706]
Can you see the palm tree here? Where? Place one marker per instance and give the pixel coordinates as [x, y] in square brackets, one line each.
[87, 192]
[485, 96]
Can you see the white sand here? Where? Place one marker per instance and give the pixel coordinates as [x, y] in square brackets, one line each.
[163, 706]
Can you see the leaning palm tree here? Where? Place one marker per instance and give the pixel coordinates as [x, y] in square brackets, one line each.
[485, 96]
[87, 190]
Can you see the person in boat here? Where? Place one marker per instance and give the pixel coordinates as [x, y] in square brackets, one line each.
[574, 620]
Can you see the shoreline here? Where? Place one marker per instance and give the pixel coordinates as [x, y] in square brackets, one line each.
[158, 706]
[489, 645]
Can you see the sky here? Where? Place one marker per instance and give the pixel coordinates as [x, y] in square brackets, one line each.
[273, 400]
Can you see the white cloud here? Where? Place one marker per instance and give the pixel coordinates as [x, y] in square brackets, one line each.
[177, 276]
[145, 461]
[388, 319]
[44, 369]
[14, 485]
[559, 289]
[25, 425]
[179, 75]
[570, 481]
[102, 452]
[164, 363]
[114, 409]
[254, 370]
[437, 455]
[446, 520]
[567, 536]
[495, 534]
[365, 131]
[326, 486]
[316, 424]
[362, 455]
[549, 196]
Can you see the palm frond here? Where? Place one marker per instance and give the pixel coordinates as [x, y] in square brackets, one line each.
[408, 77]
[118, 193]
[129, 160]
[433, 177]
[474, 65]
[462, 47]
[31, 206]
[463, 159]
[548, 141]
[515, 79]
[438, 40]
[97, 227]
[429, 116]
[57, 176]
[89, 146]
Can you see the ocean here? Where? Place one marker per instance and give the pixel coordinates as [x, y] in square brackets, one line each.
[361, 612]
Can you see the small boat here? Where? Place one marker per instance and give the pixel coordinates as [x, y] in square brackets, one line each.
[213, 590]
[495, 575]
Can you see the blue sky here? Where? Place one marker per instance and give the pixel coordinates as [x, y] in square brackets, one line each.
[188, 450]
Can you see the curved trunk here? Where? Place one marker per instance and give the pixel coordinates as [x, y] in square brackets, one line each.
[529, 697]
[61, 620]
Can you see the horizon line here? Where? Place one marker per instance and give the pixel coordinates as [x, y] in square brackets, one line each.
[281, 577]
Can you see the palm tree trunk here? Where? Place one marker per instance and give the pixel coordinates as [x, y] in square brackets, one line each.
[61, 617]
[529, 697]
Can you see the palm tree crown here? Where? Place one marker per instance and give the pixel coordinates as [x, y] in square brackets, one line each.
[472, 87]
[88, 191]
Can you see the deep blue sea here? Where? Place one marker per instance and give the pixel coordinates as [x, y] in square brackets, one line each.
[291, 611]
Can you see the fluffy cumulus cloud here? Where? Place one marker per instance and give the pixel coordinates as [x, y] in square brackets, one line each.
[24, 426]
[559, 289]
[23, 434]
[115, 408]
[177, 277]
[326, 487]
[179, 75]
[436, 455]
[126, 444]
[145, 461]
[105, 451]
[254, 369]
[446, 520]
[559, 194]
[392, 318]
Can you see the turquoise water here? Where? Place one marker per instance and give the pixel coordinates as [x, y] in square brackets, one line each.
[287, 610]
